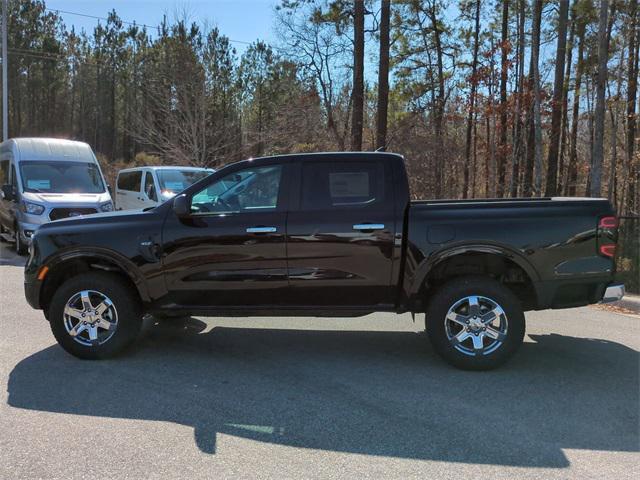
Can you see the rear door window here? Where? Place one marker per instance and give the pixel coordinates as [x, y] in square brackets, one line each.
[130, 181]
[328, 185]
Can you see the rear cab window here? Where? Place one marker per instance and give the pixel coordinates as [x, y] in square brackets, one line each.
[349, 184]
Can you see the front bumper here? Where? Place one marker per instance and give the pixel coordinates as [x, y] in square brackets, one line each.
[26, 231]
[613, 293]
[32, 293]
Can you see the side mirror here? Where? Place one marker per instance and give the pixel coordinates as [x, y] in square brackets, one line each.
[181, 206]
[8, 192]
[110, 190]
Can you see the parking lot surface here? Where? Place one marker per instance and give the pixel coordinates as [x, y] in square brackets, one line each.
[317, 398]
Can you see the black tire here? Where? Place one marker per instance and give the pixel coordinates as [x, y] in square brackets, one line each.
[440, 330]
[21, 248]
[125, 301]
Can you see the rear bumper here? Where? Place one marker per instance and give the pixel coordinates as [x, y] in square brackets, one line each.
[613, 293]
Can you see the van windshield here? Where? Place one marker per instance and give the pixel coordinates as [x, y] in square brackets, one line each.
[174, 181]
[61, 177]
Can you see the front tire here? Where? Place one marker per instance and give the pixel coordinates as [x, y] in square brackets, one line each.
[475, 323]
[21, 248]
[95, 316]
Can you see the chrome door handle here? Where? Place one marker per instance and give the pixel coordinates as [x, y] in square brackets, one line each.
[368, 226]
[262, 229]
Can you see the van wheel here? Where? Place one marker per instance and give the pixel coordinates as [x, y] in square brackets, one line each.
[475, 323]
[95, 316]
[21, 248]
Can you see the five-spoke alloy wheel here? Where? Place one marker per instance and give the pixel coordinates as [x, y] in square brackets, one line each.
[95, 315]
[475, 323]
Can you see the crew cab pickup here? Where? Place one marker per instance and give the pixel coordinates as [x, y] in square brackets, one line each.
[327, 234]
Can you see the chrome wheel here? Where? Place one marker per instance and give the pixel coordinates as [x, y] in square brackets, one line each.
[90, 318]
[476, 325]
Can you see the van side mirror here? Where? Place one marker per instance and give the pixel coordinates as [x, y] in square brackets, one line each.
[8, 193]
[181, 206]
[109, 189]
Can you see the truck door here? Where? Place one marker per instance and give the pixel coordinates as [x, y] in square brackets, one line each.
[231, 249]
[340, 234]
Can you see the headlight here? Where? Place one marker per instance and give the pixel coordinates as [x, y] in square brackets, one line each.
[32, 208]
[106, 207]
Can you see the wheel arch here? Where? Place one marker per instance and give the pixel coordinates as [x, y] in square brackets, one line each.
[68, 264]
[476, 259]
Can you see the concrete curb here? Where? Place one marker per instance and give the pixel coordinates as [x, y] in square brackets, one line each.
[630, 302]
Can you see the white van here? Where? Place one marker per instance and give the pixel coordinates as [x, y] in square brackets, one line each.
[143, 187]
[43, 179]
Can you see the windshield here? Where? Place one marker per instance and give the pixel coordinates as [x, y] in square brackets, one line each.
[61, 177]
[174, 181]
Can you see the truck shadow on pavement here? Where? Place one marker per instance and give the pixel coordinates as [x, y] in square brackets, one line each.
[374, 393]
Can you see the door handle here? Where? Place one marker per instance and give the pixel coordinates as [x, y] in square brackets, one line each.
[368, 226]
[262, 230]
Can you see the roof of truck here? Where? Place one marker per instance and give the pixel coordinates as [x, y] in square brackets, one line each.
[50, 149]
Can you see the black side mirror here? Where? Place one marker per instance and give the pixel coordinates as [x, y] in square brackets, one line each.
[8, 193]
[181, 206]
[110, 190]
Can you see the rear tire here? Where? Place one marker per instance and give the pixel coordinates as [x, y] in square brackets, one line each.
[83, 332]
[475, 323]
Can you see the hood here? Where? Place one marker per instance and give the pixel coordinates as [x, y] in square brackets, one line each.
[62, 199]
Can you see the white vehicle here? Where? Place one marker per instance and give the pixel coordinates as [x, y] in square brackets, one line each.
[44, 179]
[144, 187]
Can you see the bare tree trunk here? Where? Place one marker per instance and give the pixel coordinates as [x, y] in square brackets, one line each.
[358, 76]
[502, 153]
[440, 102]
[632, 89]
[472, 100]
[565, 106]
[534, 139]
[556, 115]
[383, 75]
[535, 52]
[572, 174]
[517, 141]
[598, 144]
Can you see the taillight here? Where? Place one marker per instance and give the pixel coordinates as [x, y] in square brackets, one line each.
[610, 222]
[608, 250]
[607, 236]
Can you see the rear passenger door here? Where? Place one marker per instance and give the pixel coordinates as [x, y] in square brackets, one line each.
[128, 195]
[340, 234]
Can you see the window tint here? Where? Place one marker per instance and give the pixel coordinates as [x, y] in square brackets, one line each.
[4, 172]
[332, 184]
[252, 189]
[149, 187]
[129, 181]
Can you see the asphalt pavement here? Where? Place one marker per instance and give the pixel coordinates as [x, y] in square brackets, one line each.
[317, 398]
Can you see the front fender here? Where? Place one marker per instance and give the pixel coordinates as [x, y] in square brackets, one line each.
[100, 253]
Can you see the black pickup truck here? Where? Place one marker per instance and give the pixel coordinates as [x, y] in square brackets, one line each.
[331, 234]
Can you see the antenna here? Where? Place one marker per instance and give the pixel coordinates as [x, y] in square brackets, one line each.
[381, 149]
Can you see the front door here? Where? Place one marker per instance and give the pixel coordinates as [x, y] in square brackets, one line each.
[149, 191]
[231, 249]
[341, 234]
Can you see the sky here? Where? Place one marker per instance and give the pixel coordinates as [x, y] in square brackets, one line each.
[242, 20]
